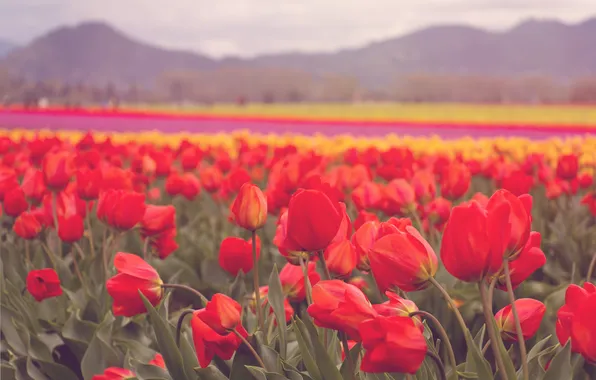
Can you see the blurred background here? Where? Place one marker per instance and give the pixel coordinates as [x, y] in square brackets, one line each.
[196, 53]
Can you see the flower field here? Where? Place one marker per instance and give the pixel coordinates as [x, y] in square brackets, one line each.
[242, 256]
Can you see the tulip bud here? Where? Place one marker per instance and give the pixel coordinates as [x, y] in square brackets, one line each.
[530, 313]
[249, 209]
[43, 283]
[57, 168]
[27, 226]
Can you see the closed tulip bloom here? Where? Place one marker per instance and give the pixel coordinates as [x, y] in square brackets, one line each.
[363, 240]
[518, 210]
[57, 168]
[89, 183]
[164, 243]
[191, 188]
[15, 202]
[158, 361]
[209, 342]
[174, 184]
[341, 258]
[583, 329]
[8, 181]
[43, 283]
[121, 209]
[27, 226]
[398, 197]
[134, 275]
[568, 166]
[530, 312]
[425, 185]
[211, 178]
[403, 260]
[367, 196]
[455, 181]
[33, 185]
[235, 254]
[393, 225]
[529, 260]
[392, 344]
[466, 250]
[575, 296]
[292, 280]
[158, 219]
[249, 209]
[222, 314]
[115, 373]
[340, 306]
[438, 211]
[70, 228]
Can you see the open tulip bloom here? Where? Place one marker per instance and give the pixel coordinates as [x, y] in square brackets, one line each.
[151, 256]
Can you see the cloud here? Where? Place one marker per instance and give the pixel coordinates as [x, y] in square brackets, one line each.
[249, 27]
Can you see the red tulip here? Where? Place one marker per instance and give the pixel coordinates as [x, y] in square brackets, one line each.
[222, 314]
[360, 283]
[158, 219]
[398, 197]
[575, 297]
[363, 217]
[351, 344]
[190, 158]
[89, 183]
[403, 260]
[590, 201]
[397, 306]
[33, 185]
[70, 228]
[164, 243]
[235, 254]
[209, 343]
[529, 260]
[115, 373]
[517, 182]
[27, 226]
[121, 209]
[518, 211]
[425, 186]
[467, 249]
[363, 240]
[211, 178]
[568, 166]
[341, 258]
[367, 196]
[43, 283]
[292, 280]
[455, 181]
[134, 275]
[249, 209]
[8, 181]
[392, 226]
[15, 202]
[158, 361]
[392, 344]
[480, 198]
[583, 329]
[530, 312]
[340, 306]
[438, 211]
[313, 221]
[57, 168]
[191, 188]
[174, 184]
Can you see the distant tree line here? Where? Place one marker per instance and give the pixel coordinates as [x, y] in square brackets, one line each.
[267, 85]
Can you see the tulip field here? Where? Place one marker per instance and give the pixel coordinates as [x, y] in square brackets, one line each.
[189, 256]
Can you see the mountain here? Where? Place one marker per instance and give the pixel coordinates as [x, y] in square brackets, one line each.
[5, 47]
[96, 52]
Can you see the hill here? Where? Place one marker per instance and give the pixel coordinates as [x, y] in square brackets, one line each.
[5, 47]
[98, 53]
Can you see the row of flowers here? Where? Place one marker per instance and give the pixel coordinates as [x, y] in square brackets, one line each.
[347, 224]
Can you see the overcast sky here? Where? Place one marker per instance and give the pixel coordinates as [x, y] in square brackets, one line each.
[249, 27]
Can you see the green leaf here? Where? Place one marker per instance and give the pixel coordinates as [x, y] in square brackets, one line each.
[560, 366]
[467, 375]
[210, 373]
[509, 367]
[188, 354]
[77, 334]
[276, 300]
[481, 366]
[148, 371]
[237, 289]
[100, 353]
[167, 345]
[478, 341]
[242, 359]
[9, 330]
[7, 372]
[306, 350]
[346, 372]
[535, 369]
[260, 374]
[324, 362]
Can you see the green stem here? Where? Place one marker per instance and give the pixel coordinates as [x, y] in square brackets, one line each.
[344, 342]
[255, 275]
[591, 268]
[145, 248]
[188, 289]
[520, 334]
[324, 264]
[439, 363]
[179, 325]
[442, 333]
[449, 300]
[251, 348]
[489, 318]
[307, 286]
[90, 229]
